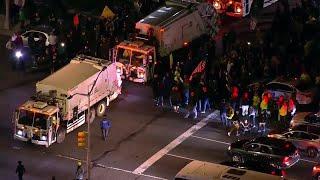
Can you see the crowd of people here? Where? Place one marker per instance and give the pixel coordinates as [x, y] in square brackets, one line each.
[234, 84]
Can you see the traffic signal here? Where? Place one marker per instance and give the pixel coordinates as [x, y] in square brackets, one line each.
[81, 139]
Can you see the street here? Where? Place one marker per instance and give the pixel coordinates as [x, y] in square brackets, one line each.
[139, 131]
[144, 142]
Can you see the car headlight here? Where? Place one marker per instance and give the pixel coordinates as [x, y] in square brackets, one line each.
[43, 138]
[20, 132]
[229, 148]
[18, 54]
[217, 5]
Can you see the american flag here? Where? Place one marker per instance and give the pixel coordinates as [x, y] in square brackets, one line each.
[200, 68]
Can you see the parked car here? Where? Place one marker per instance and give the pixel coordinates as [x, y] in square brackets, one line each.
[303, 140]
[304, 94]
[305, 118]
[265, 150]
[310, 128]
[263, 168]
[316, 172]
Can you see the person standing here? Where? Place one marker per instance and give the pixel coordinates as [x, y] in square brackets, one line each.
[245, 103]
[79, 172]
[192, 106]
[234, 118]
[176, 98]
[20, 170]
[105, 126]
[223, 113]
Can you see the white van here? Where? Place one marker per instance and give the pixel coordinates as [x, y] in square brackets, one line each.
[199, 170]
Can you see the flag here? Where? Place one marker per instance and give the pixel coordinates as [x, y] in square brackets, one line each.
[200, 68]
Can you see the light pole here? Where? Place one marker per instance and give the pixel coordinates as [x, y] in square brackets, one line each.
[7, 18]
[88, 156]
[88, 142]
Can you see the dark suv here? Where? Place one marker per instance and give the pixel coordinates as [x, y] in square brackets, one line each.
[265, 150]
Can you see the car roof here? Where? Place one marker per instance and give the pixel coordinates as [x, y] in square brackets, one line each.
[41, 28]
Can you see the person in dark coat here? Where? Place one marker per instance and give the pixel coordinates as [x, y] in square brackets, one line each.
[176, 98]
[20, 170]
[192, 106]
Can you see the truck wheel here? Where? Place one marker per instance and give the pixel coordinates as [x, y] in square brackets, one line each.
[101, 108]
[61, 135]
[92, 115]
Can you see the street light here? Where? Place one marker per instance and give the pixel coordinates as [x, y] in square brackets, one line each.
[88, 121]
[88, 157]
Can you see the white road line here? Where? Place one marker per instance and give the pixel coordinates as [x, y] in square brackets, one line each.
[181, 157]
[212, 140]
[144, 166]
[112, 168]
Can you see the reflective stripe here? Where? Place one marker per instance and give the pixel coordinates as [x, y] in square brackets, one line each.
[76, 123]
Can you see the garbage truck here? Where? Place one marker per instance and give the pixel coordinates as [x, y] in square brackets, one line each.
[62, 100]
[177, 24]
[165, 30]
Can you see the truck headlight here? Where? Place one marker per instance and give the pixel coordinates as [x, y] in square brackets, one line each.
[43, 138]
[238, 9]
[20, 132]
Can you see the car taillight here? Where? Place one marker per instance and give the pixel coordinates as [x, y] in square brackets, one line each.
[286, 160]
[273, 173]
[238, 9]
[315, 168]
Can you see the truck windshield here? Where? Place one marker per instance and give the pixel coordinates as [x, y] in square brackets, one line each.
[123, 56]
[30, 118]
[138, 59]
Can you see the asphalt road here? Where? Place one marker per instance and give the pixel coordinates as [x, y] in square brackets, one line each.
[145, 142]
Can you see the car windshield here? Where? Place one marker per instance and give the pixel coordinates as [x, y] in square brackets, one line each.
[313, 118]
[301, 86]
[30, 118]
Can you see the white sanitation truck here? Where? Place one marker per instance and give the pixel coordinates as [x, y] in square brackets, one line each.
[178, 23]
[61, 100]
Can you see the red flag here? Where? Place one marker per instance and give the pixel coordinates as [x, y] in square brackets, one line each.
[200, 68]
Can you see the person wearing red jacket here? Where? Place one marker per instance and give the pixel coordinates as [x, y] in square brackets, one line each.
[245, 103]
[234, 96]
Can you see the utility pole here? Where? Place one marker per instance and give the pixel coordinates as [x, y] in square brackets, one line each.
[7, 18]
[88, 141]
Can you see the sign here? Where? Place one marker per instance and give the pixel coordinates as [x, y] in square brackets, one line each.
[107, 13]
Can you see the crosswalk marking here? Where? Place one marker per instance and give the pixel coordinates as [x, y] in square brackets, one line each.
[144, 166]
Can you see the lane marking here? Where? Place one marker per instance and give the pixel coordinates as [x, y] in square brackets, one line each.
[144, 166]
[212, 140]
[109, 167]
[181, 157]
